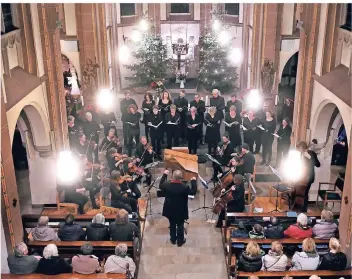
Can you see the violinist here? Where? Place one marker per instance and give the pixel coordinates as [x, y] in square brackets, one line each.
[111, 141]
[237, 204]
[200, 106]
[212, 121]
[181, 104]
[164, 105]
[155, 124]
[124, 105]
[144, 156]
[147, 107]
[224, 155]
[89, 179]
[232, 126]
[72, 131]
[250, 133]
[172, 121]
[85, 147]
[114, 159]
[132, 120]
[193, 122]
[246, 162]
[128, 186]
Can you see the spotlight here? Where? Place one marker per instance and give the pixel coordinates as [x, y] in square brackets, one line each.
[144, 25]
[216, 25]
[124, 53]
[67, 168]
[235, 56]
[136, 36]
[105, 99]
[224, 38]
[254, 99]
[292, 167]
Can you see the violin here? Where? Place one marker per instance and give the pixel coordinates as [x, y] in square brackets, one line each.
[90, 165]
[126, 178]
[119, 157]
[136, 170]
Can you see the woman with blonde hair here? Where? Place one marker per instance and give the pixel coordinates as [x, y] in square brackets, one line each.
[335, 259]
[212, 136]
[275, 260]
[326, 228]
[251, 259]
[308, 259]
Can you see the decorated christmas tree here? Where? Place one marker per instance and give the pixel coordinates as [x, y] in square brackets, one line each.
[216, 69]
[151, 61]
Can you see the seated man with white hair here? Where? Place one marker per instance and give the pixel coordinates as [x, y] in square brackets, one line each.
[51, 263]
[118, 263]
[299, 230]
[43, 232]
[20, 262]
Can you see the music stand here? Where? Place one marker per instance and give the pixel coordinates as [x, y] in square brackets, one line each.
[205, 185]
[149, 197]
[211, 158]
[282, 188]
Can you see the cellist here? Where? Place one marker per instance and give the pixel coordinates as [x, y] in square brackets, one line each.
[224, 155]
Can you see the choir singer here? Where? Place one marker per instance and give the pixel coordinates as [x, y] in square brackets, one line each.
[176, 204]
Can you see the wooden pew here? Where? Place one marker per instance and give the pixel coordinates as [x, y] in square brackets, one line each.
[321, 273]
[65, 276]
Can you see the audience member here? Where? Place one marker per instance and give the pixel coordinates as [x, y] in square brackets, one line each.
[275, 260]
[274, 230]
[122, 229]
[314, 277]
[326, 228]
[251, 259]
[308, 259]
[20, 262]
[117, 263]
[69, 231]
[257, 232]
[241, 231]
[51, 263]
[253, 277]
[43, 232]
[333, 260]
[299, 230]
[97, 231]
[86, 263]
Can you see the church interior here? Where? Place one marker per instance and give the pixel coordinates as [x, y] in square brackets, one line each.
[132, 94]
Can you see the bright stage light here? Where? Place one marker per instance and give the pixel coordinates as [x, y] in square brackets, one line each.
[105, 99]
[254, 99]
[144, 25]
[224, 38]
[124, 53]
[216, 25]
[67, 168]
[136, 36]
[236, 56]
[292, 167]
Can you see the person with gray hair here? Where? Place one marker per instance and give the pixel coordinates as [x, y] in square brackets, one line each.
[86, 263]
[91, 128]
[218, 101]
[97, 231]
[51, 263]
[43, 232]
[176, 204]
[326, 228]
[122, 229]
[20, 262]
[299, 230]
[118, 263]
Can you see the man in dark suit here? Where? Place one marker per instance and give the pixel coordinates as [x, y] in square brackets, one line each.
[176, 204]
[181, 104]
[218, 102]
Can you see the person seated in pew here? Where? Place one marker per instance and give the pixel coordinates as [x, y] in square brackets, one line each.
[333, 260]
[300, 229]
[308, 259]
[275, 229]
[86, 263]
[257, 232]
[117, 263]
[275, 260]
[251, 259]
[241, 231]
[122, 229]
[69, 231]
[314, 277]
[43, 232]
[51, 263]
[253, 277]
[97, 231]
[326, 228]
[20, 262]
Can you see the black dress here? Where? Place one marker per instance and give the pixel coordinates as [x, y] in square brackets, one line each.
[124, 104]
[181, 104]
[173, 130]
[267, 139]
[193, 133]
[147, 110]
[283, 142]
[234, 130]
[219, 103]
[155, 133]
[251, 133]
[200, 105]
[133, 131]
[213, 131]
[237, 104]
[164, 109]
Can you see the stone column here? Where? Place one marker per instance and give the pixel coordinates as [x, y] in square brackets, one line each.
[245, 43]
[309, 14]
[258, 14]
[205, 17]
[50, 33]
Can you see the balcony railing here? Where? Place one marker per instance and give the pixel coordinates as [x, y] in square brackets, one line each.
[8, 40]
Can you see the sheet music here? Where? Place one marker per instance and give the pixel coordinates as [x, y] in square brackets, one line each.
[205, 184]
[276, 135]
[276, 173]
[133, 124]
[53, 223]
[244, 128]
[157, 126]
[190, 126]
[261, 127]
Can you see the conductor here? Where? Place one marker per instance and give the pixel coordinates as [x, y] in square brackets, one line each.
[176, 204]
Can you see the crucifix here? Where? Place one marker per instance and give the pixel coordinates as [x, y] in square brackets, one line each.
[179, 49]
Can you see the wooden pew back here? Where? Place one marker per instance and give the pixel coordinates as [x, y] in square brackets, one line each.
[300, 273]
[65, 276]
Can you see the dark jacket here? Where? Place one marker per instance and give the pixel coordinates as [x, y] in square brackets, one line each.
[142, 152]
[155, 119]
[237, 204]
[219, 103]
[200, 108]
[250, 264]
[176, 198]
[132, 118]
[124, 104]
[333, 261]
[237, 104]
[123, 232]
[285, 135]
[310, 164]
[239, 233]
[52, 266]
[181, 103]
[275, 232]
[97, 232]
[72, 232]
[147, 110]
[22, 264]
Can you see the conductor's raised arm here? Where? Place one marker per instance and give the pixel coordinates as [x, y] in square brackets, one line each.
[163, 180]
[193, 189]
